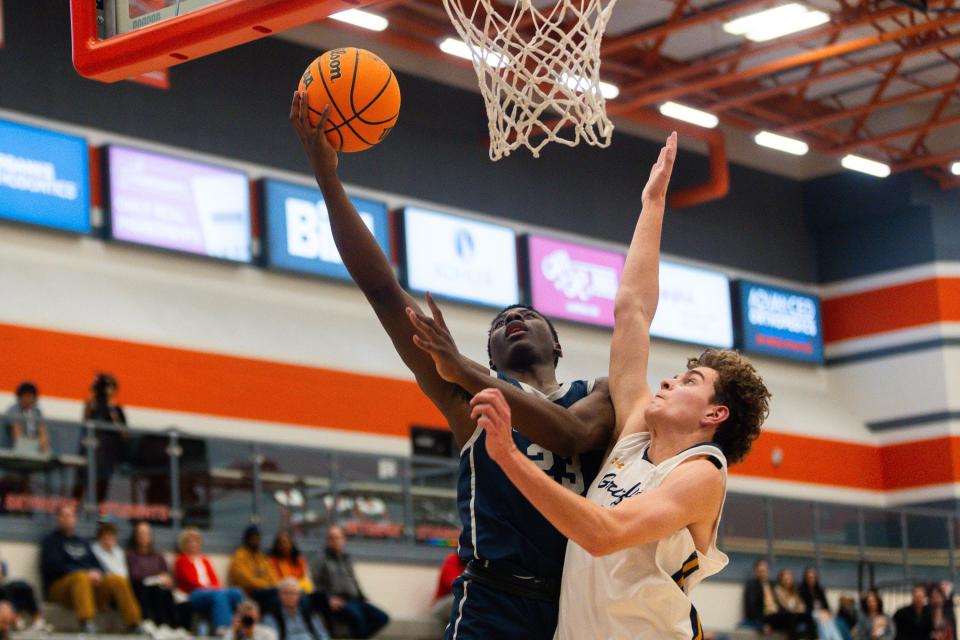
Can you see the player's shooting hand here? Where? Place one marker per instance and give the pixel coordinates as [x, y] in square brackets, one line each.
[435, 338]
[322, 155]
[656, 187]
[492, 413]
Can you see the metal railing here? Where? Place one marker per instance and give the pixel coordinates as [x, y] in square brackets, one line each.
[404, 508]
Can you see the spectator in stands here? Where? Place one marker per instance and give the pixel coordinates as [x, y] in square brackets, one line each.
[334, 575]
[73, 577]
[815, 600]
[114, 562]
[451, 569]
[111, 448]
[151, 579]
[292, 620]
[873, 624]
[288, 562]
[107, 552]
[759, 603]
[252, 571]
[793, 617]
[941, 617]
[195, 577]
[912, 621]
[21, 597]
[246, 624]
[25, 422]
[7, 619]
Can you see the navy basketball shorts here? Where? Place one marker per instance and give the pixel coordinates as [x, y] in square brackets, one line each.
[482, 613]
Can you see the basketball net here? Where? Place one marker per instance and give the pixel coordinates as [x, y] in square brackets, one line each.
[539, 70]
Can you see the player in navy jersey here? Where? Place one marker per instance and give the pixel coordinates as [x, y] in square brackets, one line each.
[511, 587]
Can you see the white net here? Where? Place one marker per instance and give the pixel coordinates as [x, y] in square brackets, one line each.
[539, 70]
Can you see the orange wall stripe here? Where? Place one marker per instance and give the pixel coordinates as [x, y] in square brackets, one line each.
[152, 376]
[891, 308]
[916, 464]
[814, 460]
[172, 379]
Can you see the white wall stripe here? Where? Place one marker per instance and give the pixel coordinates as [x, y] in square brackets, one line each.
[882, 280]
[837, 495]
[887, 339]
[946, 491]
[821, 493]
[918, 434]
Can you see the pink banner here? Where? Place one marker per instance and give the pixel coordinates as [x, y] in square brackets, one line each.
[573, 281]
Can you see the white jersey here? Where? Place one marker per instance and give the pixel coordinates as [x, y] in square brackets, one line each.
[640, 592]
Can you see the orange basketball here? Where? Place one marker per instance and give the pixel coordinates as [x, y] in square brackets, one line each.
[362, 92]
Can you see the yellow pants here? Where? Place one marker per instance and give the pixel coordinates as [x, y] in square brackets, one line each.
[75, 590]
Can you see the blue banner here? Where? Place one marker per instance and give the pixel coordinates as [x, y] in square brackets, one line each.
[44, 178]
[780, 322]
[297, 235]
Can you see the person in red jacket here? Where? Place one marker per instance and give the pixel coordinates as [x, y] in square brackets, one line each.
[196, 577]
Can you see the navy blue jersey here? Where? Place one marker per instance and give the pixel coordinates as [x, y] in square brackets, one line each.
[499, 523]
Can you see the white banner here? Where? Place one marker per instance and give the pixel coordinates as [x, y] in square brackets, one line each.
[460, 258]
[694, 306]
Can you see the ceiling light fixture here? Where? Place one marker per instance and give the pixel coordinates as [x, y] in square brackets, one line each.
[689, 114]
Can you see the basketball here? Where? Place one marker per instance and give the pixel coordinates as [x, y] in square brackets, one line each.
[363, 95]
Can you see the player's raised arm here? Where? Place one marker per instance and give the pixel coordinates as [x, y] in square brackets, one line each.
[372, 272]
[585, 426]
[636, 301]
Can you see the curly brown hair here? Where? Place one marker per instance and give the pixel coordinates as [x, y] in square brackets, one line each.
[741, 390]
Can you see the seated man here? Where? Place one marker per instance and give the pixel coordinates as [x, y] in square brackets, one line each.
[25, 421]
[73, 577]
[292, 620]
[334, 576]
[252, 571]
[759, 603]
[913, 621]
[246, 624]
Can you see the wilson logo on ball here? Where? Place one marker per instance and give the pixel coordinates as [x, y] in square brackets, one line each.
[335, 63]
[362, 93]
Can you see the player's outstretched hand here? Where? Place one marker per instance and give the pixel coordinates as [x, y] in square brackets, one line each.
[656, 187]
[492, 413]
[435, 338]
[322, 155]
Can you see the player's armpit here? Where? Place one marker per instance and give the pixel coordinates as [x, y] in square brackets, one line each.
[597, 420]
[692, 494]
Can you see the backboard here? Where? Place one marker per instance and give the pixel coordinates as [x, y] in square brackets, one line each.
[117, 39]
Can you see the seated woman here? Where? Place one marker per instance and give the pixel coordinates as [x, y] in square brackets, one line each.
[288, 562]
[195, 576]
[873, 623]
[150, 578]
[794, 618]
[815, 599]
[941, 615]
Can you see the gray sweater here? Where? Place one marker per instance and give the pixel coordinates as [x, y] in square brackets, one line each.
[334, 575]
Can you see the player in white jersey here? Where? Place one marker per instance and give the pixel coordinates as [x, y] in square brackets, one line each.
[646, 532]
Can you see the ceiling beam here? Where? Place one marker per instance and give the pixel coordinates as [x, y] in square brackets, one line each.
[783, 64]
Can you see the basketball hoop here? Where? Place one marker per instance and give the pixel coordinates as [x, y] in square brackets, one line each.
[539, 70]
